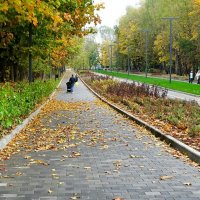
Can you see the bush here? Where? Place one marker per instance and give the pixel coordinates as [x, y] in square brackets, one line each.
[150, 101]
[18, 100]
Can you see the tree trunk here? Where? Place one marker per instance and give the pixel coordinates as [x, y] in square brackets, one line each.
[176, 62]
[30, 54]
[12, 73]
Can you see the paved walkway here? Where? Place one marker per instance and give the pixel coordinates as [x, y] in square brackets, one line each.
[110, 159]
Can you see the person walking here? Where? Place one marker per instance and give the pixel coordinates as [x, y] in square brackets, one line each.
[198, 77]
[72, 81]
[191, 77]
[76, 78]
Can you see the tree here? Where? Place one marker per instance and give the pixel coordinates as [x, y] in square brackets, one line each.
[88, 56]
[51, 27]
[186, 40]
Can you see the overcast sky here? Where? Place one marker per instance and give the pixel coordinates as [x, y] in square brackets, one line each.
[114, 9]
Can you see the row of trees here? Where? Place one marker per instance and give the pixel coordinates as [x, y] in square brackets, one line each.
[40, 35]
[127, 40]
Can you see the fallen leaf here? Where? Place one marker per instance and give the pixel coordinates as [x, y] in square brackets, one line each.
[75, 154]
[104, 147]
[39, 162]
[134, 156]
[27, 157]
[87, 168]
[188, 184]
[50, 191]
[107, 172]
[165, 177]
[18, 173]
[75, 197]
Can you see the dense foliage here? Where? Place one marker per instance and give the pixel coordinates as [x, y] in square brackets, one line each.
[129, 39]
[17, 100]
[46, 33]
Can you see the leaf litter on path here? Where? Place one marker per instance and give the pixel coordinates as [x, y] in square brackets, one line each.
[37, 136]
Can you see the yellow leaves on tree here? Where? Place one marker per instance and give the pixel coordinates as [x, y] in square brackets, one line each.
[61, 19]
[197, 2]
[160, 46]
[6, 38]
[57, 20]
[68, 17]
[105, 53]
[4, 7]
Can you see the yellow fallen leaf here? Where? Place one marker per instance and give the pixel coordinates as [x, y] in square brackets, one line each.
[39, 162]
[104, 147]
[50, 191]
[77, 154]
[75, 197]
[165, 177]
[27, 157]
[18, 173]
[87, 168]
[134, 156]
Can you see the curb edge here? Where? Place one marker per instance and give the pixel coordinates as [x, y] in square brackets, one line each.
[193, 154]
[6, 139]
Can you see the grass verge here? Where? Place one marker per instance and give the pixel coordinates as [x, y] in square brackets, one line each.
[174, 85]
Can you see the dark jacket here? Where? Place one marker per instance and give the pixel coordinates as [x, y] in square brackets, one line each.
[72, 80]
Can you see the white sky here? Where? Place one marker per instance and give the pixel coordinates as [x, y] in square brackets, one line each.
[113, 10]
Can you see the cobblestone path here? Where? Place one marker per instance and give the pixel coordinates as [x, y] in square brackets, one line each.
[112, 159]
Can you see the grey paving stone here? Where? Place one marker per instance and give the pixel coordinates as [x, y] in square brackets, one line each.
[136, 178]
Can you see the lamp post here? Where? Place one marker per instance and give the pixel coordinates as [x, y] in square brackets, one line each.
[30, 76]
[111, 45]
[128, 60]
[170, 47]
[146, 51]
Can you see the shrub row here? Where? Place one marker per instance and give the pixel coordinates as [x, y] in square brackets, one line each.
[17, 100]
[177, 116]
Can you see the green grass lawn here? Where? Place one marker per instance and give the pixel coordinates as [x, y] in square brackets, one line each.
[174, 85]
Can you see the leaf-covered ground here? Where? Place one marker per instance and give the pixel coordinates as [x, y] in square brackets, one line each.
[179, 119]
[81, 150]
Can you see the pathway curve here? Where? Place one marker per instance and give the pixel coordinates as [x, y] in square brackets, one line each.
[113, 160]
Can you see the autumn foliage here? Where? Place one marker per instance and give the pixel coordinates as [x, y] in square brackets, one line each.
[57, 27]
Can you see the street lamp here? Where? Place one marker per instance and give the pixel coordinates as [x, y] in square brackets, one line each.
[30, 41]
[128, 60]
[111, 45]
[170, 47]
[146, 50]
